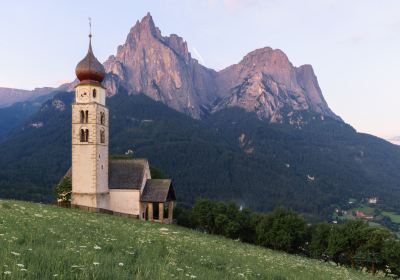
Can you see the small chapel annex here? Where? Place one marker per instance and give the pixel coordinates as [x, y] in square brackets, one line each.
[118, 186]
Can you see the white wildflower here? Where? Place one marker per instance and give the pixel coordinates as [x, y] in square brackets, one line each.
[24, 269]
[121, 264]
[97, 247]
[163, 229]
[20, 265]
[15, 253]
[7, 272]
[96, 263]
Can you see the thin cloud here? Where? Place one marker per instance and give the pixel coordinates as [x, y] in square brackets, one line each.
[198, 56]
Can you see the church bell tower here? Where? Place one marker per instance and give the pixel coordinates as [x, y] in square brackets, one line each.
[90, 135]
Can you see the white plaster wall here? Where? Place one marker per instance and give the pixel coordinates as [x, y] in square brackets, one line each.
[89, 159]
[142, 210]
[102, 168]
[84, 200]
[125, 201]
[83, 175]
[103, 200]
[81, 97]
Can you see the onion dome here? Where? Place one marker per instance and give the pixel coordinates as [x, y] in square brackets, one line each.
[89, 68]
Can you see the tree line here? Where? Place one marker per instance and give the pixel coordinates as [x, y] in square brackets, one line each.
[353, 243]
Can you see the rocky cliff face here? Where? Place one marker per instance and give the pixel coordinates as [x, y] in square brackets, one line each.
[267, 83]
[162, 68]
[264, 82]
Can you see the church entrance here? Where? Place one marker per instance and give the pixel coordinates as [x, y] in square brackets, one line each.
[158, 199]
[156, 211]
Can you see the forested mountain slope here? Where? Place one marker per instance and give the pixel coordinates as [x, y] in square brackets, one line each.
[230, 155]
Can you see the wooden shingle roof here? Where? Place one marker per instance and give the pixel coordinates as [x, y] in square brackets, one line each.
[158, 190]
[126, 174]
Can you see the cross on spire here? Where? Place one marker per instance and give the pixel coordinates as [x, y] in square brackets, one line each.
[90, 27]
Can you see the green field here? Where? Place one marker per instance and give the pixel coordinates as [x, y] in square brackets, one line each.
[47, 242]
[376, 212]
[393, 216]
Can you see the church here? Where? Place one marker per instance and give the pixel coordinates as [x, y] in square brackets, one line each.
[100, 184]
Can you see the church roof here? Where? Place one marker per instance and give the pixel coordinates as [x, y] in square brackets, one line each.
[129, 174]
[158, 190]
[126, 173]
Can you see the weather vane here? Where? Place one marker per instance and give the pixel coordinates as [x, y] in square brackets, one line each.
[90, 27]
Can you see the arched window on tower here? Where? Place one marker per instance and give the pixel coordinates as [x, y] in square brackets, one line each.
[102, 118]
[87, 135]
[82, 114]
[82, 135]
[94, 93]
[86, 116]
[102, 136]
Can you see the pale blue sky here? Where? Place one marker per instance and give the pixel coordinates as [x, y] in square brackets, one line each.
[352, 45]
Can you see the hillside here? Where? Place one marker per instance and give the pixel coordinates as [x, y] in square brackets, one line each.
[10, 96]
[47, 242]
[15, 114]
[258, 133]
[231, 156]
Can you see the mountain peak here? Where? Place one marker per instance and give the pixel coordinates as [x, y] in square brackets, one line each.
[144, 29]
[147, 21]
[162, 68]
[266, 53]
[264, 81]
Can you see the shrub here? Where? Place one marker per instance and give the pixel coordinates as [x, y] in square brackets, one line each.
[63, 190]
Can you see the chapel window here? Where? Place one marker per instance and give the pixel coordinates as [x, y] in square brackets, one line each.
[94, 93]
[86, 116]
[102, 136]
[102, 118]
[82, 135]
[82, 114]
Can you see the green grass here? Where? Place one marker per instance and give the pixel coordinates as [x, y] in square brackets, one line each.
[393, 216]
[57, 243]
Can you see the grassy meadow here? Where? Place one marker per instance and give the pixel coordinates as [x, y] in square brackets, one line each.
[47, 242]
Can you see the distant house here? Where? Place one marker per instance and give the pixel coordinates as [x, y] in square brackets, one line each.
[362, 215]
[310, 178]
[373, 200]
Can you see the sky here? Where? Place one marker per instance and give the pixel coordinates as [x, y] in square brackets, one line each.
[353, 46]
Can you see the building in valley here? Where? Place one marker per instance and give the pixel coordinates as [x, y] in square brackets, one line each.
[120, 186]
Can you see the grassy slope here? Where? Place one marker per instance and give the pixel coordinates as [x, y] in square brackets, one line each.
[57, 243]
